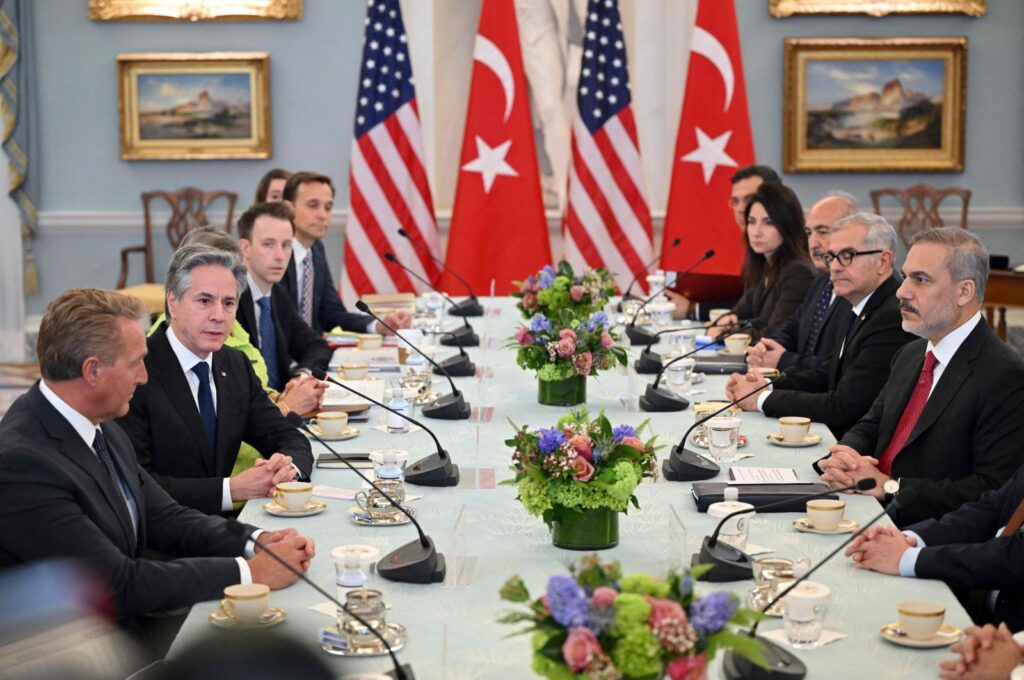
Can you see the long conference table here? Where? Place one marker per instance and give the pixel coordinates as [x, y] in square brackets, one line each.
[486, 536]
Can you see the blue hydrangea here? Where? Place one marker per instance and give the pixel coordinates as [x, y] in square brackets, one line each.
[547, 276]
[710, 613]
[539, 323]
[597, 320]
[567, 601]
[549, 439]
[623, 431]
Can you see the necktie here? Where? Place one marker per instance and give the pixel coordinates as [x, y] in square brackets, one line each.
[306, 303]
[1016, 521]
[820, 310]
[850, 324]
[268, 342]
[915, 405]
[207, 411]
[99, 445]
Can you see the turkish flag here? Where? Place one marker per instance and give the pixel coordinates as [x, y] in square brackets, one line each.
[713, 142]
[498, 229]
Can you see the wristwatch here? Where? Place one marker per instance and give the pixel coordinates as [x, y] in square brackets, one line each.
[891, 488]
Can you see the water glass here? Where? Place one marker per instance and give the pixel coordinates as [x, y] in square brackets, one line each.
[804, 614]
[369, 605]
[680, 375]
[723, 438]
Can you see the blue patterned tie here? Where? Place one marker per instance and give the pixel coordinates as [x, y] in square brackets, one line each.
[819, 317]
[306, 303]
[99, 445]
[207, 411]
[268, 342]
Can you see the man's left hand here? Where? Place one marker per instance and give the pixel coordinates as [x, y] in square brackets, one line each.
[882, 552]
[849, 465]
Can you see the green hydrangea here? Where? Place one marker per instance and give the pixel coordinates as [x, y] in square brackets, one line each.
[534, 495]
[560, 371]
[631, 613]
[642, 584]
[638, 654]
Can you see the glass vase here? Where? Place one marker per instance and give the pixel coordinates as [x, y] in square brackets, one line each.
[588, 530]
[567, 392]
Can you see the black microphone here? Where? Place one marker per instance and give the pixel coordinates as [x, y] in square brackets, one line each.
[628, 295]
[683, 465]
[465, 333]
[449, 407]
[470, 306]
[641, 336]
[781, 663]
[650, 362]
[659, 399]
[434, 470]
[401, 672]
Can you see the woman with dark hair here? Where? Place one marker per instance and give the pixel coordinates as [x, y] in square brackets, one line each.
[777, 271]
[271, 186]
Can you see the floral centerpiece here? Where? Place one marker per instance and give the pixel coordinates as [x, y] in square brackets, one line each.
[580, 474]
[553, 289]
[564, 350]
[600, 624]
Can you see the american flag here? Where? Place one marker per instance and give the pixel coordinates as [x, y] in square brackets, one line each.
[607, 223]
[388, 185]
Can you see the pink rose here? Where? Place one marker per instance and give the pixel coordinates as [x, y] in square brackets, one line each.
[566, 346]
[567, 333]
[523, 336]
[576, 293]
[581, 443]
[662, 610]
[580, 647]
[606, 339]
[687, 668]
[634, 442]
[583, 469]
[583, 362]
[604, 597]
[529, 301]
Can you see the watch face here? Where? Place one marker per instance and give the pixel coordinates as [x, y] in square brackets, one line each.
[891, 486]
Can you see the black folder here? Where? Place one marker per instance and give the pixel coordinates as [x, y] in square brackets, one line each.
[706, 493]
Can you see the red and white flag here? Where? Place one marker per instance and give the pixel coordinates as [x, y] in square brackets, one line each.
[607, 222]
[388, 185]
[498, 229]
[713, 141]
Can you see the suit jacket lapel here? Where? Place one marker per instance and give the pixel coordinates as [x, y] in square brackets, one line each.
[247, 313]
[222, 379]
[175, 384]
[290, 283]
[878, 298]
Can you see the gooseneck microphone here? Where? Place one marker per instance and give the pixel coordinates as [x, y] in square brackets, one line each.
[642, 336]
[781, 663]
[401, 672]
[628, 295]
[434, 470]
[449, 407]
[465, 334]
[470, 306]
[684, 465]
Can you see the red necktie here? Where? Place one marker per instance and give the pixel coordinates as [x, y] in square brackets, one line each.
[918, 398]
[1016, 520]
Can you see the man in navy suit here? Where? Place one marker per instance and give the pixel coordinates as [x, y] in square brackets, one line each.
[308, 280]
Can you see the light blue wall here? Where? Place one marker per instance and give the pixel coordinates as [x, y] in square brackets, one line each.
[313, 77]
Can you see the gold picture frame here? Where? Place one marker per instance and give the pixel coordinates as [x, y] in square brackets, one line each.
[194, 10]
[874, 104]
[194, 105]
[876, 8]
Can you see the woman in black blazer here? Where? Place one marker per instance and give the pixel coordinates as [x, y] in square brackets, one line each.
[777, 271]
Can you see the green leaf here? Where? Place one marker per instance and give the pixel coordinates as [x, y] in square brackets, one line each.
[739, 643]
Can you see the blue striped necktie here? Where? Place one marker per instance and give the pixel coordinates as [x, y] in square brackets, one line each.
[120, 488]
[268, 342]
[824, 301]
[207, 410]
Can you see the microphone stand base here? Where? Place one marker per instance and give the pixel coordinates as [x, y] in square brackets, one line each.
[457, 366]
[782, 665]
[413, 563]
[640, 336]
[468, 307]
[462, 336]
[660, 400]
[648, 362]
[406, 673]
[434, 470]
[684, 465]
[729, 563]
[449, 407]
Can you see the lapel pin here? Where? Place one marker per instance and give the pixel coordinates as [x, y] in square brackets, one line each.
[223, 374]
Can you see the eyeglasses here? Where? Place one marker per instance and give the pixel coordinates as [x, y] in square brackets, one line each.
[846, 256]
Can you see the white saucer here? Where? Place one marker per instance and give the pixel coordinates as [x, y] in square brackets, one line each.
[313, 507]
[726, 353]
[348, 433]
[846, 526]
[271, 617]
[356, 514]
[946, 636]
[810, 439]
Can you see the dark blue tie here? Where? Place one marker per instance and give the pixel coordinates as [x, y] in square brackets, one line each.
[207, 411]
[268, 342]
[120, 488]
[819, 317]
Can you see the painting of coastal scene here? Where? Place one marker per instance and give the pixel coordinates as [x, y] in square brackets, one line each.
[195, 106]
[875, 104]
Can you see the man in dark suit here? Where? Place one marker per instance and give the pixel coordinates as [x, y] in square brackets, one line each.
[308, 279]
[948, 421]
[978, 546]
[805, 339]
[72, 486]
[264, 310]
[841, 390]
[203, 399]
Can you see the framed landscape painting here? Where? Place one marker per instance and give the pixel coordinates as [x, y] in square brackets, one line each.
[194, 105]
[877, 8]
[874, 104]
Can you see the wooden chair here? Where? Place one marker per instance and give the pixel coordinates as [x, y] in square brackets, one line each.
[188, 211]
[921, 207]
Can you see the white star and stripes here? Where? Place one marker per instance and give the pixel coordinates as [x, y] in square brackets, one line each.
[388, 185]
[607, 222]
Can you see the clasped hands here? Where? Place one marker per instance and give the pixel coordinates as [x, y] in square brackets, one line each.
[396, 319]
[261, 479]
[985, 653]
[295, 549]
[738, 385]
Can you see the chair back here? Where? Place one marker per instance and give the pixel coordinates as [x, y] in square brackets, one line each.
[921, 205]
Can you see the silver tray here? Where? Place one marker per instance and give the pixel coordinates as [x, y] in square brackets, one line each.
[394, 633]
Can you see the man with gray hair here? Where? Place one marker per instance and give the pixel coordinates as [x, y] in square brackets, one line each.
[837, 393]
[947, 423]
[805, 340]
[203, 399]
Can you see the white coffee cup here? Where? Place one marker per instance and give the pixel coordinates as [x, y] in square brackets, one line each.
[370, 340]
[715, 314]
[331, 423]
[246, 602]
[293, 495]
[921, 620]
[825, 513]
[355, 371]
[737, 343]
[794, 429]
